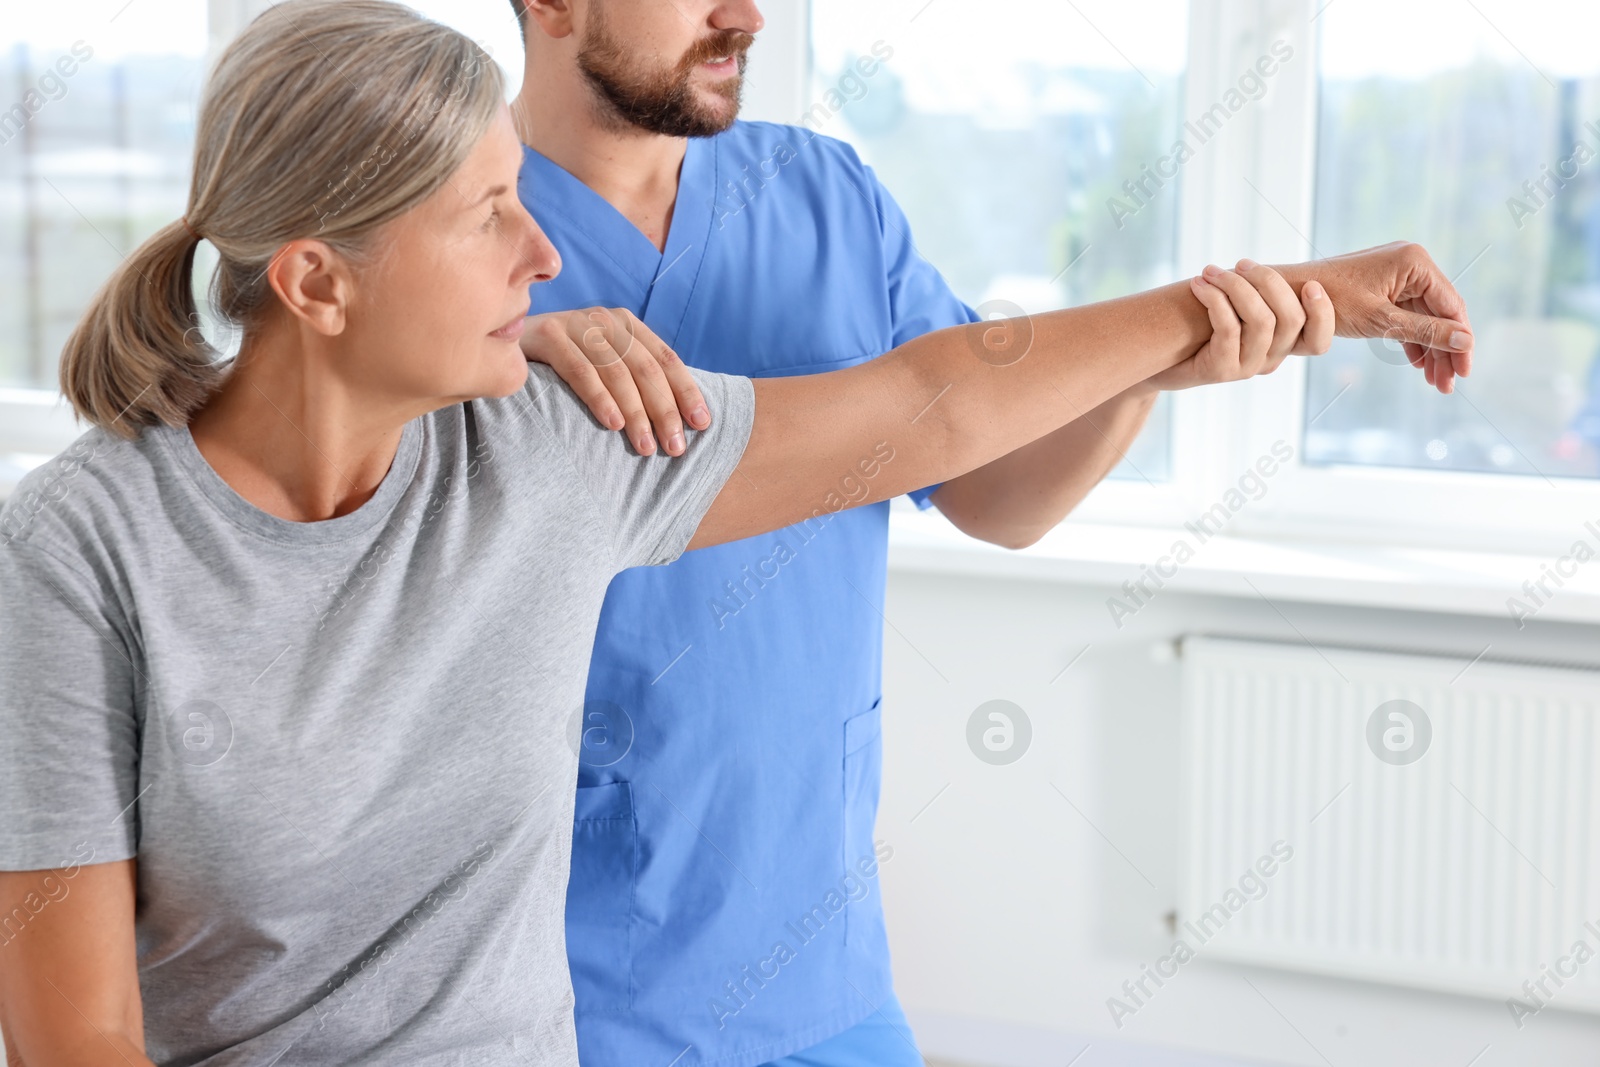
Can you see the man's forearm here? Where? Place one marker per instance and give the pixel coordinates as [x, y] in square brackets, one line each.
[1016, 499]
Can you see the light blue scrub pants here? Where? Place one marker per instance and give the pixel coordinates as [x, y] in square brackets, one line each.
[883, 1040]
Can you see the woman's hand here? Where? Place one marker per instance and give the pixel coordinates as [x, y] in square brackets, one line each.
[1257, 321]
[627, 375]
[1397, 292]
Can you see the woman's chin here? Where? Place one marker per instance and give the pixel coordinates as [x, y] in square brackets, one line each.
[510, 378]
[500, 376]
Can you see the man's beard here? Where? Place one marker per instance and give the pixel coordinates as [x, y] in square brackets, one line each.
[662, 102]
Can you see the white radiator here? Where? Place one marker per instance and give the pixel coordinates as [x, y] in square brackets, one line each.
[1474, 869]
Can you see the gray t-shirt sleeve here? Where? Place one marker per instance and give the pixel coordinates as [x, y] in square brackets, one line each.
[69, 751]
[649, 505]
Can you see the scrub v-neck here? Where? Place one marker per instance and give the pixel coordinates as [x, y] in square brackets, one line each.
[666, 278]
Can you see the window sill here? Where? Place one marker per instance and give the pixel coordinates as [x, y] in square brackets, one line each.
[1363, 575]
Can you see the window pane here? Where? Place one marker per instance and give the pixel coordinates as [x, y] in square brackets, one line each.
[1005, 137]
[95, 145]
[1461, 146]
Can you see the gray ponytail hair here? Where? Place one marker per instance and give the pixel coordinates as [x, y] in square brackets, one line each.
[325, 119]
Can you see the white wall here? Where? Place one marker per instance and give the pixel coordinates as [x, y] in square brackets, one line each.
[1012, 920]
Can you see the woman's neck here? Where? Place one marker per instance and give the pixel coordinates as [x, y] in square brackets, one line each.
[292, 438]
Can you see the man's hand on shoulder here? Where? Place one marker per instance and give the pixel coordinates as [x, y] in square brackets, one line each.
[629, 377]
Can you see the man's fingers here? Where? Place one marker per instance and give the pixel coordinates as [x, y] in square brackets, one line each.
[669, 390]
[626, 375]
[1289, 317]
[617, 379]
[584, 380]
[1222, 351]
[545, 340]
[660, 402]
[1316, 336]
[624, 352]
[1255, 318]
[691, 402]
[613, 369]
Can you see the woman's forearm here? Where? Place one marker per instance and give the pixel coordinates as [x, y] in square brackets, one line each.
[69, 985]
[941, 405]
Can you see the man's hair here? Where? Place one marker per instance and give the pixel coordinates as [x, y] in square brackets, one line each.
[521, 13]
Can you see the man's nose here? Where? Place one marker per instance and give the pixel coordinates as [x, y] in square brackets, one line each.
[739, 15]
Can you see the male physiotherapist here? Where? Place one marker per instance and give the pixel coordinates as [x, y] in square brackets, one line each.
[724, 906]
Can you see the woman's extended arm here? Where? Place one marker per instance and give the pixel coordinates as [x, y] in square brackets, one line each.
[69, 981]
[943, 404]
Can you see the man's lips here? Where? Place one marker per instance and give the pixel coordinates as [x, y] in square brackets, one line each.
[722, 67]
[730, 59]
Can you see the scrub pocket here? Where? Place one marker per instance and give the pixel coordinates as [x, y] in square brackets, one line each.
[605, 859]
[863, 768]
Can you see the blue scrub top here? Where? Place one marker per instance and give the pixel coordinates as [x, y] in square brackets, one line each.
[724, 905]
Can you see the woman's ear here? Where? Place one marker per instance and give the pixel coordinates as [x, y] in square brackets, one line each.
[314, 284]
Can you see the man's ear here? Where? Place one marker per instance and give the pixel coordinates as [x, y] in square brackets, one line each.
[314, 284]
[555, 17]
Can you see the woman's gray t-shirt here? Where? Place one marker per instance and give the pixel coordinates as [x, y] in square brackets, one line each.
[344, 753]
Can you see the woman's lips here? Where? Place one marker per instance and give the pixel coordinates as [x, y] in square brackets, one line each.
[512, 330]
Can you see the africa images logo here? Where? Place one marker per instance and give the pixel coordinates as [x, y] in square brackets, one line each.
[1399, 732]
[999, 732]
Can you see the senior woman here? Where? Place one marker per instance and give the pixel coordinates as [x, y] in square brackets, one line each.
[292, 650]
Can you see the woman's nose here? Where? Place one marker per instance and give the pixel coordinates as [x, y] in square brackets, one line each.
[540, 261]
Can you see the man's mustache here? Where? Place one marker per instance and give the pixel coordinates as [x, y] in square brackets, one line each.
[728, 43]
